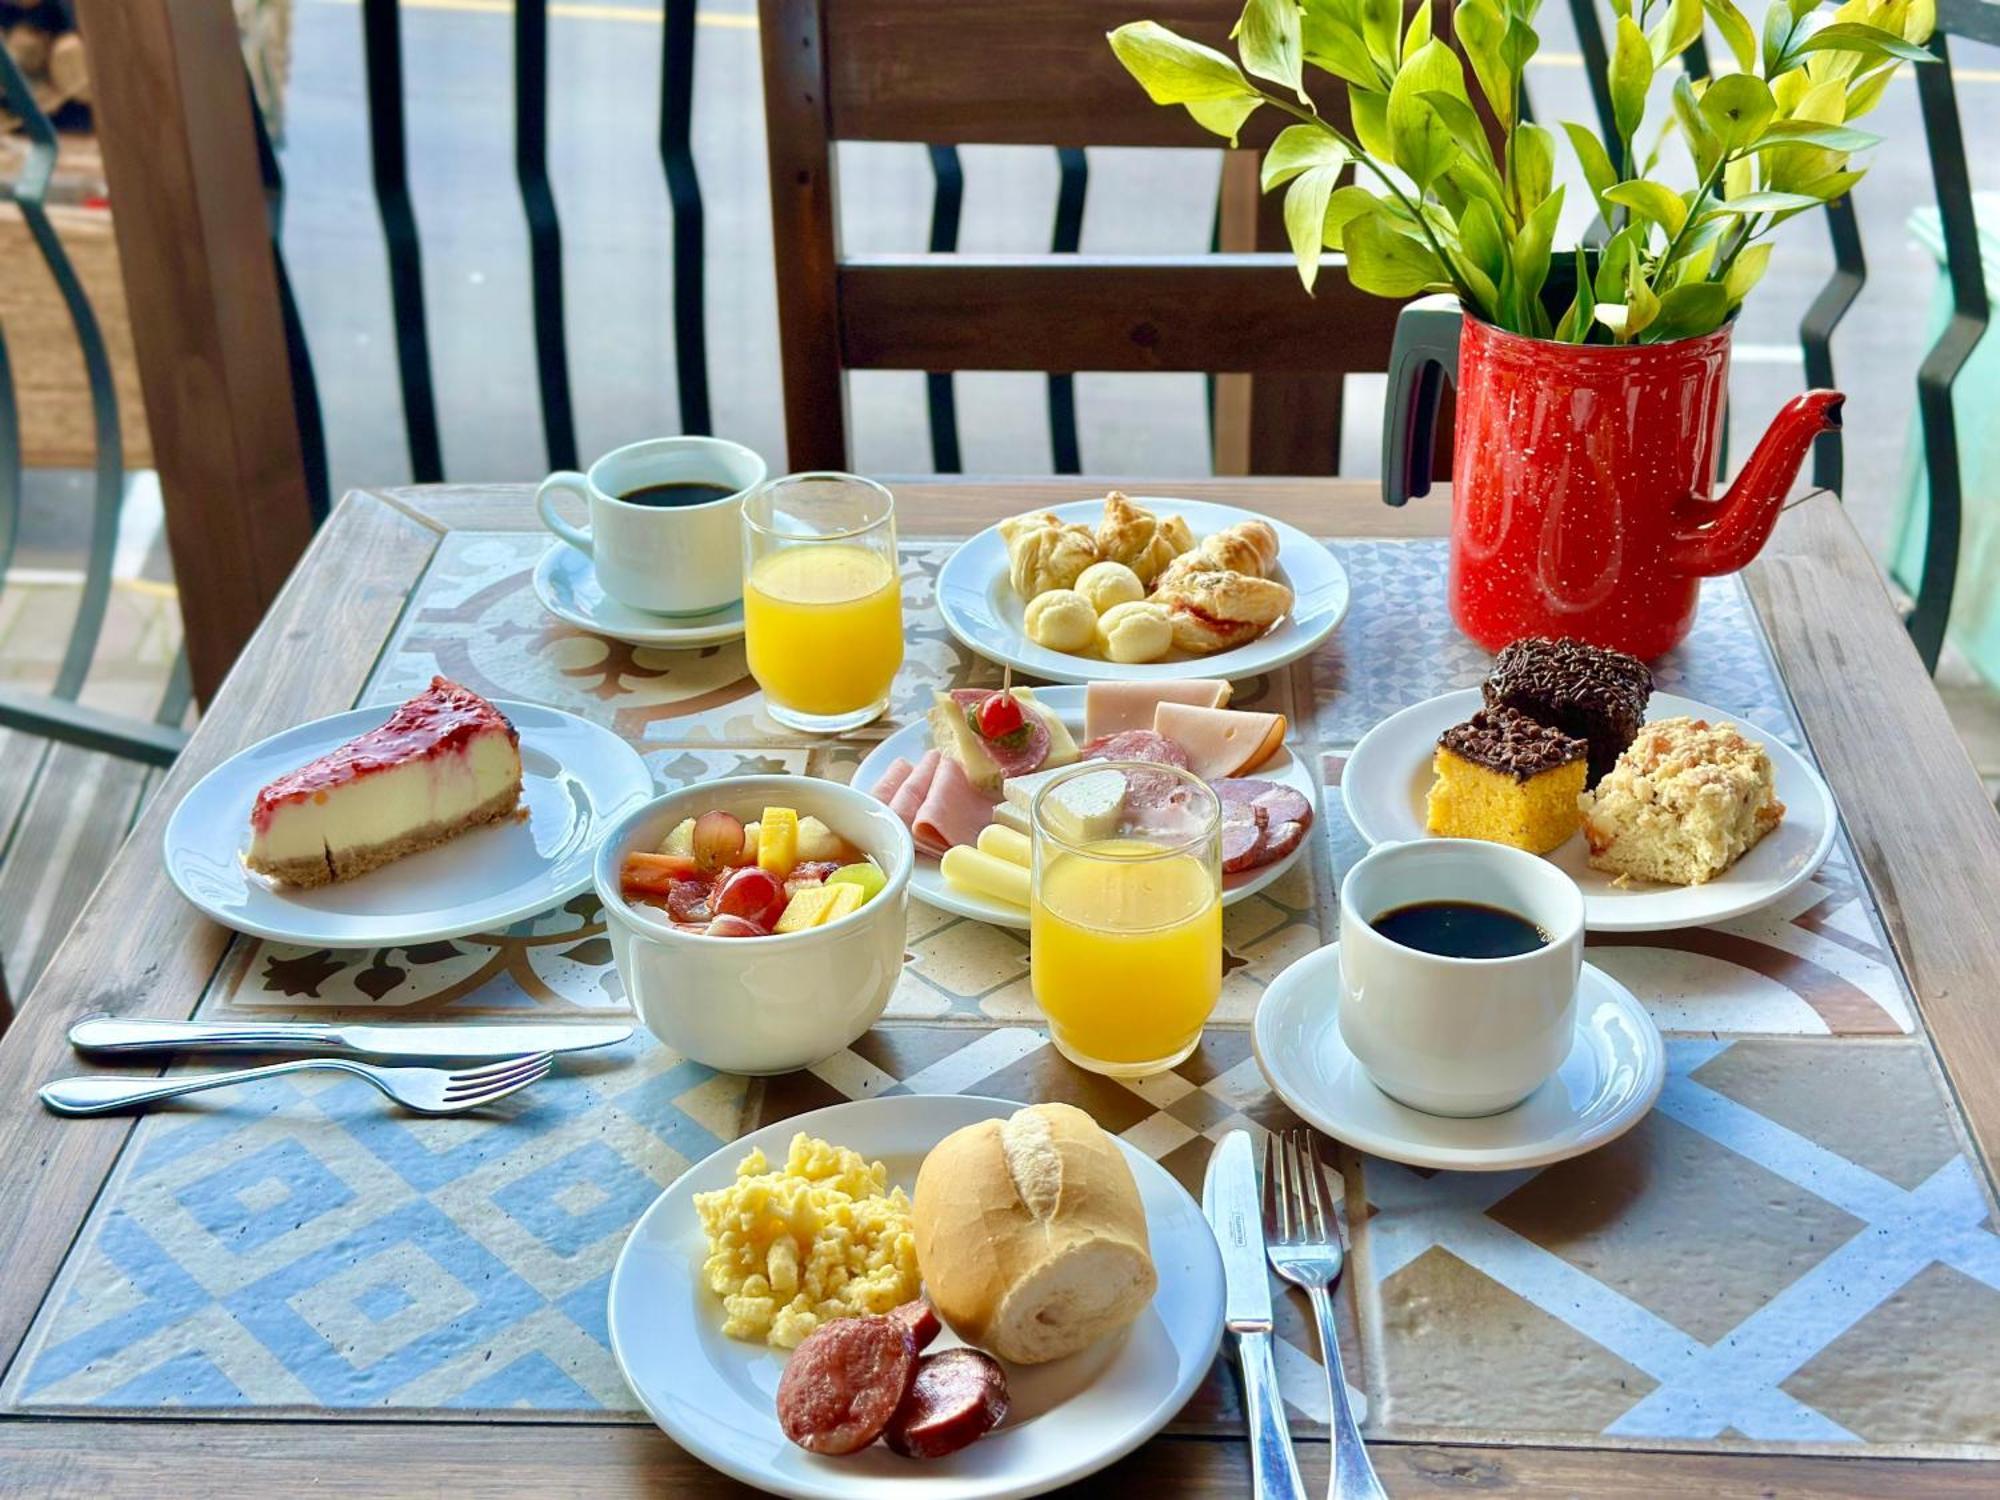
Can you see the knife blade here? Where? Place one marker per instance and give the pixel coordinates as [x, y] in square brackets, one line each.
[1231, 1204]
[110, 1036]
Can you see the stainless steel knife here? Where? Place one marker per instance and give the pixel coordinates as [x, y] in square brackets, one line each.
[1230, 1202]
[109, 1036]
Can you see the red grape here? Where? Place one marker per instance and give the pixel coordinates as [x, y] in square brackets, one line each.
[690, 900]
[736, 927]
[718, 839]
[751, 893]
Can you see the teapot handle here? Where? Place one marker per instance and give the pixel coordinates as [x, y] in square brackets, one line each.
[1423, 356]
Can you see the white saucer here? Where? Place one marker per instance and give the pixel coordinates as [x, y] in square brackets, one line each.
[1068, 1418]
[1389, 774]
[927, 882]
[578, 778]
[567, 585]
[984, 612]
[1607, 1083]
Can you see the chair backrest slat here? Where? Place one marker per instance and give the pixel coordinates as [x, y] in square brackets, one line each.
[538, 205]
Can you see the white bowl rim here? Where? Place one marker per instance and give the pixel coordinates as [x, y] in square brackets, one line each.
[611, 849]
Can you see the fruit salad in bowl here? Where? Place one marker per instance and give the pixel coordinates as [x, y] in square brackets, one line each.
[757, 922]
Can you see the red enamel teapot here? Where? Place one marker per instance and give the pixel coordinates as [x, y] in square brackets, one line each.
[1583, 475]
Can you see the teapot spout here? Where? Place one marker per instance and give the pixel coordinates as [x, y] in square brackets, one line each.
[1720, 536]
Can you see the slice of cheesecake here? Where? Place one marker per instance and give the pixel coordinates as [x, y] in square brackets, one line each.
[446, 761]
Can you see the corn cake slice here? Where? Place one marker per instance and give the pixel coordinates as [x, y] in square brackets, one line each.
[1504, 778]
[1683, 804]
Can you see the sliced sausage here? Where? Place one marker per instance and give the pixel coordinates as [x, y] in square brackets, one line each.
[920, 1318]
[843, 1384]
[1136, 744]
[959, 1395]
[1242, 836]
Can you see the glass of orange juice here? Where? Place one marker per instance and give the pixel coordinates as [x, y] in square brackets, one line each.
[1125, 914]
[822, 599]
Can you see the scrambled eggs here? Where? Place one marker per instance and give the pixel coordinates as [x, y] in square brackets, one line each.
[823, 1238]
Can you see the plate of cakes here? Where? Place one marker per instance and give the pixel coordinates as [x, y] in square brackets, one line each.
[1134, 589]
[382, 827]
[1665, 811]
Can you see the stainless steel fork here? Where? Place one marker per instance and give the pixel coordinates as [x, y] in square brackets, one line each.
[428, 1091]
[1306, 1248]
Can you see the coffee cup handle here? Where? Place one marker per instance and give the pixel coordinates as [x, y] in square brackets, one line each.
[567, 482]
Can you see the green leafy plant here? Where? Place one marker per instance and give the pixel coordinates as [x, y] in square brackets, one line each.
[1435, 205]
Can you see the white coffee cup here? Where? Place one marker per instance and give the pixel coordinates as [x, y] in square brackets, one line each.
[1458, 1036]
[679, 560]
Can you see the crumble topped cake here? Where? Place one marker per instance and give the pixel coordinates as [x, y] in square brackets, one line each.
[445, 761]
[1594, 693]
[1503, 777]
[1682, 805]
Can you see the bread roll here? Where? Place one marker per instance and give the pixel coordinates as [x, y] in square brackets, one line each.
[1031, 1238]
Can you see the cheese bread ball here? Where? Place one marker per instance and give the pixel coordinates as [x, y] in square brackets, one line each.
[823, 1237]
[1139, 631]
[1062, 620]
[1109, 583]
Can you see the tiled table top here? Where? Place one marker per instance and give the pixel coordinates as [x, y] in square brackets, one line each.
[1786, 1254]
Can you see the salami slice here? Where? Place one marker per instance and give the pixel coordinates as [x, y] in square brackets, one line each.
[842, 1385]
[959, 1396]
[1278, 814]
[1136, 744]
[1242, 846]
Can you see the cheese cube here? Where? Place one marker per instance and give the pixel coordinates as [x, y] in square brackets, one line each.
[1087, 808]
[778, 840]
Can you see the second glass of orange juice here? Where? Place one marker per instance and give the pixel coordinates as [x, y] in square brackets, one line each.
[1125, 915]
[822, 599]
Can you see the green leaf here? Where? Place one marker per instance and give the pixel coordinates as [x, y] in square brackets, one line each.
[1675, 31]
[1305, 216]
[1534, 167]
[1173, 70]
[1466, 128]
[1223, 116]
[1381, 259]
[1614, 260]
[1685, 311]
[1652, 201]
[1867, 92]
[1575, 325]
[1701, 139]
[1765, 203]
[1833, 185]
[1370, 113]
[1745, 271]
[1531, 255]
[1267, 40]
[1857, 36]
[1480, 237]
[1641, 306]
[1737, 107]
[1421, 143]
[1480, 28]
[1736, 32]
[1778, 28]
[1419, 30]
[1381, 24]
[1297, 148]
[1739, 177]
[1811, 133]
[1345, 206]
[1332, 44]
[1594, 159]
[1631, 76]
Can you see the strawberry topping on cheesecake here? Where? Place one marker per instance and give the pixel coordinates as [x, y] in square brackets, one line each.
[446, 761]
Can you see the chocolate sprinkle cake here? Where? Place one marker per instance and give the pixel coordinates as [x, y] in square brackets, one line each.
[1509, 742]
[1596, 694]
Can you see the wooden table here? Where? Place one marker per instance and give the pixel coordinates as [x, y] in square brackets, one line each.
[1915, 811]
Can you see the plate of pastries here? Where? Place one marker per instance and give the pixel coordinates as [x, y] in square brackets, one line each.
[1665, 811]
[1132, 588]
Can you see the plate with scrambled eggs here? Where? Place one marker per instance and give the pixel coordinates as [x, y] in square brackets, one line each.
[808, 1221]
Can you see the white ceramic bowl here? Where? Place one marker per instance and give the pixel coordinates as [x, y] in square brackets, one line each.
[768, 1004]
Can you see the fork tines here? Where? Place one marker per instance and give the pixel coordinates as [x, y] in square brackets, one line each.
[1298, 1206]
[493, 1079]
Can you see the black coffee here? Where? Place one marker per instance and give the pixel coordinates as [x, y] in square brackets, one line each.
[677, 494]
[1460, 929]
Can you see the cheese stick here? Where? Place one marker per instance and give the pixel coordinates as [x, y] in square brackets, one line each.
[1004, 843]
[981, 874]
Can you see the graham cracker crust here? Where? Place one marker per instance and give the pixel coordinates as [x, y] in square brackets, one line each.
[349, 863]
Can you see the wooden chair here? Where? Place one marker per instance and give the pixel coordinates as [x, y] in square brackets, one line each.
[1031, 72]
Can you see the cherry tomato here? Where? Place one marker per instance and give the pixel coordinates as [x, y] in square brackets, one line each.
[691, 900]
[752, 893]
[999, 715]
[736, 927]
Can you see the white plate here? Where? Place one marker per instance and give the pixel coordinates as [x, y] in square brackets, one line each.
[577, 780]
[567, 585]
[927, 882]
[983, 611]
[713, 1395]
[1605, 1086]
[1389, 774]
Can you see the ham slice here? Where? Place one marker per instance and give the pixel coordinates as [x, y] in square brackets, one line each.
[953, 811]
[898, 773]
[1114, 707]
[1221, 741]
[911, 791]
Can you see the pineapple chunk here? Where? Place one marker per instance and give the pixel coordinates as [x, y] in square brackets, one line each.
[816, 905]
[821, 843]
[748, 854]
[681, 840]
[778, 840]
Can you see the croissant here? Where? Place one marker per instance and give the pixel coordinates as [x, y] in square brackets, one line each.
[1214, 609]
[1247, 547]
[1044, 552]
[1134, 536]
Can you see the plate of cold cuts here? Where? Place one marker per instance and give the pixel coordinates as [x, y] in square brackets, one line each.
[964, 793]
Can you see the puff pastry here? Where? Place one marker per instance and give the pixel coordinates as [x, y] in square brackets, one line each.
[1214, 609]
[1044, 552]
[1132, 535]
